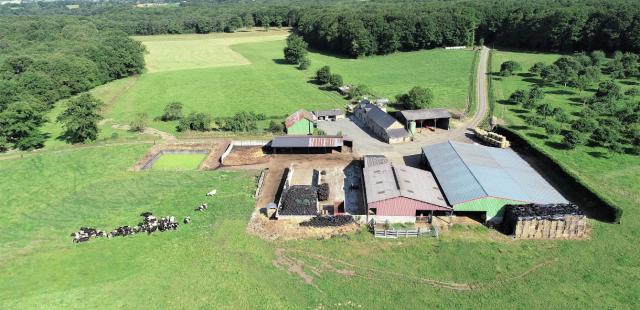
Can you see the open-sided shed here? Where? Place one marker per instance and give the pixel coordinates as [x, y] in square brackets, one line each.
[306, 144]
[434, 118]
[478, 178]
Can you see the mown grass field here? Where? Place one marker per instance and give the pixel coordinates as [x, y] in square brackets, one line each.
[234, 75]
[213, 263]
[178, 162]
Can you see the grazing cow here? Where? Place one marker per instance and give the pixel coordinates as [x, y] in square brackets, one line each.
[187, 220]
[212, 193]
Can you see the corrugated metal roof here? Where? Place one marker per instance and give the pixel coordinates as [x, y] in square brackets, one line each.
[333, 112]
[306, 141]
[413, 115]
[298, 115]
[386, 181]
[467, 172]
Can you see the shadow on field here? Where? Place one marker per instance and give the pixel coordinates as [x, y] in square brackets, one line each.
[534, 81]
[561, 92]
[555, 145]
[281, 62]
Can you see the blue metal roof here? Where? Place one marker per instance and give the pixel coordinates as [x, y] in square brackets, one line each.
[468, 172]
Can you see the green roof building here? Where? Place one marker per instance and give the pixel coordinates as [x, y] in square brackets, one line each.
[300, 123]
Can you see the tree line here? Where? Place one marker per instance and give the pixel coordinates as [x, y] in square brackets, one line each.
[380, 27]
[46, 59]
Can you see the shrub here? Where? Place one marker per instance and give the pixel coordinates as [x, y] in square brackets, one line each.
[172, 112]
[335, 80]
[632, 92]
[196, 121]
[572, 139]
[139, 124]
[304, 63]
[552, 128]
[537, 68]
[275, 127]
[534, 120]
[417, 98]
[560, 115]
[507, 68]
[519, 96]
[323, 75]
[4, 146]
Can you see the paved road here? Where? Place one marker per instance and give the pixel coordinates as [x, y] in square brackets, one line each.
[408, 153]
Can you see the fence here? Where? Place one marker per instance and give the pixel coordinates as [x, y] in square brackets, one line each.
[407, 233]
[241, 143]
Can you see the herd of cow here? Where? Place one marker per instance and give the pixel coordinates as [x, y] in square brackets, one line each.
[149, 224]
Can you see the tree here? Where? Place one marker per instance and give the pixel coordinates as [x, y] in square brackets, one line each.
[544, 110]
[4, 145]
[598, 58]
[80, 119]
[507, 68]
[537, 68]
[275, 127]
[609, 90]
[296, 49]
[560, 115]
[323, 75]
[304, 63]
[519, 96]
[359, 91]
[585, 124]
[335, 80]
[605, 136]
[117, 56]
[550, 73]
[417, 98]
[139, 123]
[573, 138]
[19, 125]
[172, 112]
[552, 128]
[632, 92]
[196, 121]
[536, 94]
[534, 120]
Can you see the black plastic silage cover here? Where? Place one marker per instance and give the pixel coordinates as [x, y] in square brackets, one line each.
[299, 200]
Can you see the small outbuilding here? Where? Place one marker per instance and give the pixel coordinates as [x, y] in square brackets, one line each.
[425, 118]
[481, 179]
[397, 193]
[329, 115]
[306, 144]
[301, 122]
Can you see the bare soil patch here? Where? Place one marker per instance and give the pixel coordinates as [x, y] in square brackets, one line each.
[243, 155]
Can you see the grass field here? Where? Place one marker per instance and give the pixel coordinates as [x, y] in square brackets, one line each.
[233, 75]
[213, 263]
[178, 161]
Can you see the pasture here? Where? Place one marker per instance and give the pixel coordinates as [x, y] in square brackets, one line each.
[245, 72]
[178, 161]
[213, 263]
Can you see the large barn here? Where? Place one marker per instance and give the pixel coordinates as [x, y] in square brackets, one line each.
[477, 178]
[397, 193]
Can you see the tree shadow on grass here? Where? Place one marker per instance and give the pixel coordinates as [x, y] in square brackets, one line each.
[534, 81]
[281, 61]
[519, 111]
[576, 100]
[598, 154]
[561, 92]
[519, 127]
[537, 135]
[627, 82]
[329, 54]
[314, 82]
[555, 145]
[526, 74]
[506, 102]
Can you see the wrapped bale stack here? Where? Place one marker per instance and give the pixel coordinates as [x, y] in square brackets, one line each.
[550, 221]
[299, 200]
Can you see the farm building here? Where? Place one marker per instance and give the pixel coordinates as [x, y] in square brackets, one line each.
[306, 144]
[301, 122]
[383, 125]
[397, 193]
[483, 179]
[329, 115]
[429, 118]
